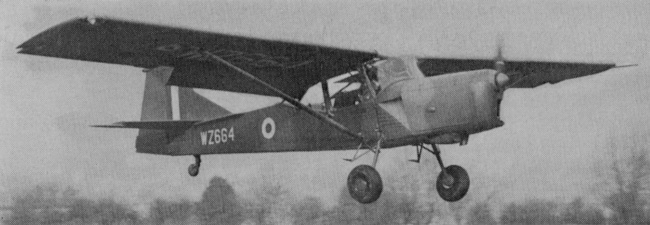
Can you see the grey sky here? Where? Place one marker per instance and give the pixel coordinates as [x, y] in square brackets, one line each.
[552, 133]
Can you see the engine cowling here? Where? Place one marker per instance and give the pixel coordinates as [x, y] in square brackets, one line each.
[442, 109]
[453, 105]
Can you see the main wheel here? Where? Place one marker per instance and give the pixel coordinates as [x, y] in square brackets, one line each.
[364, 184]
[457, 188]
[193, 170]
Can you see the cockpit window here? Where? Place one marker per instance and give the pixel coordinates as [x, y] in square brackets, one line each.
[344, 92]
[393, 70]
[346, 98]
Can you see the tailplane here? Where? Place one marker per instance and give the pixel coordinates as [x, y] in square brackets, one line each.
[152, 125]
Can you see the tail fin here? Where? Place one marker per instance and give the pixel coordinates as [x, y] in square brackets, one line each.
[157, 101]
[165, 103]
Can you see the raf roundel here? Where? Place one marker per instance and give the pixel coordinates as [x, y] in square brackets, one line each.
[268, 128]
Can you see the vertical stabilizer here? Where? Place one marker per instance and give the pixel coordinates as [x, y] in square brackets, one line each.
[156, 106]
[157, 101]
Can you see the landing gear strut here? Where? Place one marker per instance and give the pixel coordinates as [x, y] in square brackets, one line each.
[193, 170]
[453, 181]
[364, 182]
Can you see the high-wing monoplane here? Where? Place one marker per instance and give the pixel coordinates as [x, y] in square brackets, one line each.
[386, 102]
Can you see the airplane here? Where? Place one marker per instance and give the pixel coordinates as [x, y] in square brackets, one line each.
[387, 101]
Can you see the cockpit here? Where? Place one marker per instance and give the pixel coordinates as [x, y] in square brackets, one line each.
[349, 89]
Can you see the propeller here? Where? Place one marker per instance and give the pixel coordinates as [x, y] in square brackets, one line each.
[501, 79]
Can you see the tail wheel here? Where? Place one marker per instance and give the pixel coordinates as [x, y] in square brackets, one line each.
[364, 184]
[456, 188]
[193, 170]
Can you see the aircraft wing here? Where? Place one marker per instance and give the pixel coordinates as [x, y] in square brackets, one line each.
[289, 66]
[523, 73]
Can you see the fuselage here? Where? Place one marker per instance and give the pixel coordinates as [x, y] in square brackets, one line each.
[409, 109]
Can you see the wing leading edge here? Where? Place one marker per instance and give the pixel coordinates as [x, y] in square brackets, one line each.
[523, 73]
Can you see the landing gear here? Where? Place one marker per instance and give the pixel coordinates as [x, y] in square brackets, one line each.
[453, 181]
[454, 185]
[193, 169]
[364, 182]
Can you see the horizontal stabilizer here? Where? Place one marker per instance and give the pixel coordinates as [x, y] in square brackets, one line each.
[152, 125]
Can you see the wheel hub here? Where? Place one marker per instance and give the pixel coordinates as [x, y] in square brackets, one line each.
[360, 185]
[453, 183]
[447, 180]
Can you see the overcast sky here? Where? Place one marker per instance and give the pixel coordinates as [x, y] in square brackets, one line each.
[552, 138]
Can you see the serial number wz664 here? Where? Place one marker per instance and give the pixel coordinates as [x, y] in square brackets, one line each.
[216, 136]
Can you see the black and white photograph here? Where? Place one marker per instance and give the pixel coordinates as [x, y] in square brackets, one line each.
[254, 112]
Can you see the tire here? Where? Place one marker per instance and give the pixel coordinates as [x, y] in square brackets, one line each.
[364, 184]
[458, 189]
[193, 170]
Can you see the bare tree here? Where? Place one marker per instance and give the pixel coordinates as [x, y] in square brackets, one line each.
[48, 204]
[270, 204]
[219, 204]
[38, 205]
[411, 188]
[484, 192]
[577, 212]
[349, 211]
[530, 212]
[626, 179]
[108, 212]
[414, 188]
[480, 214]
[168, 212]
[105, 211]
[307, 211]
[82, 211]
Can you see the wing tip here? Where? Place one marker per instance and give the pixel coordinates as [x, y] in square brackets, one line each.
[616, 66]
[29, 46]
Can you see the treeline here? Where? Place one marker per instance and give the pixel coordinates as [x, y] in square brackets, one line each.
[273, 204]
[409, 197]
[48, 204]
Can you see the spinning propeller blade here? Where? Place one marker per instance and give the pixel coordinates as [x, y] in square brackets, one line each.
[501, 79]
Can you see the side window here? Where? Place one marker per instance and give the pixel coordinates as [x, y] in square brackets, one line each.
[346, 98]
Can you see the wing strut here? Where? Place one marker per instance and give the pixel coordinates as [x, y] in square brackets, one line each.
[326, 96]
[291, 100]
